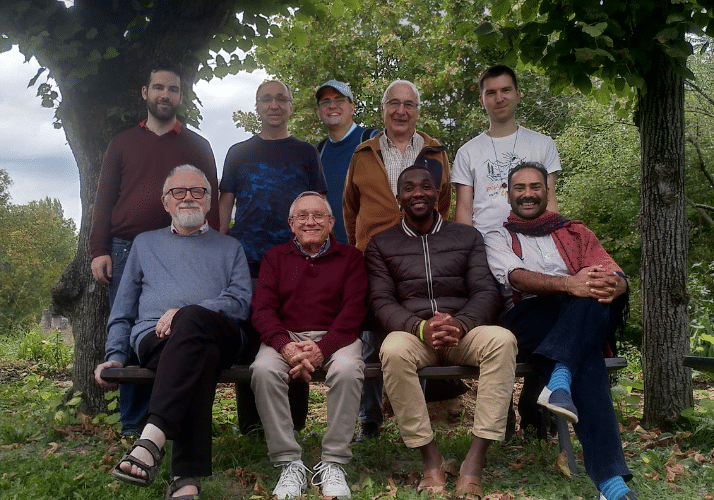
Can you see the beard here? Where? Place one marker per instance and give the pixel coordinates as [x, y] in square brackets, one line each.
[160, 114]
[189, 219]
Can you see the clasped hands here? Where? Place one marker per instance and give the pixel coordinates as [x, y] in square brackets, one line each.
[595, 283]
[303, 357]
[441, 331]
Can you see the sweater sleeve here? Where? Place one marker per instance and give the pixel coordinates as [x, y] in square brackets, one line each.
[104, 201]
[266, 305]
[346, 326]
[234, 301]
[124, 311]
[382, 294]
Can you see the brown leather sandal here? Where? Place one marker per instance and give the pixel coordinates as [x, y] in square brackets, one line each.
[433, 481]
[469, 486]
[179, 483]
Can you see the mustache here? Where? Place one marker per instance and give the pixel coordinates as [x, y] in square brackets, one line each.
[530, 199]
[188, 204]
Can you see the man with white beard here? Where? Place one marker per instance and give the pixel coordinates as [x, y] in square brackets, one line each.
[184, 292]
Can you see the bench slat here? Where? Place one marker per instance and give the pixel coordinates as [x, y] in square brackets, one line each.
[372, 371]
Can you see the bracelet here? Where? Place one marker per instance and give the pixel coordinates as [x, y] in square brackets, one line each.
[567, 290]
[421, 330]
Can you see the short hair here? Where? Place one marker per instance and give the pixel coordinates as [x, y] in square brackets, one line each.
[164, 65]
[411, 168]
[304, 194]
[495, 71]
[186, 168]
[529, 164]
[402, 82]
[257, 92]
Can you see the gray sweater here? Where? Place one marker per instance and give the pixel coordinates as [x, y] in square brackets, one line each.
[168, 271]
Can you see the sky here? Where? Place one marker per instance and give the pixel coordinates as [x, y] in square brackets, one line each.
[38, 158]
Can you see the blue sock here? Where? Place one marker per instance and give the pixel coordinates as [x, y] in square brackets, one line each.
[614, 488]
[560, 378]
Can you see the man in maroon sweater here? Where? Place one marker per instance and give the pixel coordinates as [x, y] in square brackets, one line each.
[128, 199]
[308, 307]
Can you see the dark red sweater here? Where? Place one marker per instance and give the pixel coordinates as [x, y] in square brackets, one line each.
[297, 293]
[135, 166]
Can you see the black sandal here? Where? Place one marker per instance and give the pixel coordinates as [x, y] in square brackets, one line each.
[151, 470]
[179, 483]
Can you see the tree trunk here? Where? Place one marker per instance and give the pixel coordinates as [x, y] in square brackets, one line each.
[77, 295]
[665, 242]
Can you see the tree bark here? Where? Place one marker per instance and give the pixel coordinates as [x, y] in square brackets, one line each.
[665, 243]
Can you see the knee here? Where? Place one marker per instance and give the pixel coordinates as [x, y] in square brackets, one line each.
[188, 317]
[393, 346]
[345, 370]
[501, 340]
[262, 370]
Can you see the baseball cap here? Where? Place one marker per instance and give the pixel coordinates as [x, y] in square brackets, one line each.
[340, 87]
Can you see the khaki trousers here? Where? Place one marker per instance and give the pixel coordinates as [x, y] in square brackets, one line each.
[491, 348]
[270, 379]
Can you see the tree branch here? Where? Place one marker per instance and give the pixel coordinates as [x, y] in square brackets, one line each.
[699, 208]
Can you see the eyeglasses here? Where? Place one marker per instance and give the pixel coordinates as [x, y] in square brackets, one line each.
[319, 218]
[395, 103]
[282, 99]
[338, 101]
[180, 193]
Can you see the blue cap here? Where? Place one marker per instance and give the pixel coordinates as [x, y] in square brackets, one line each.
[340, 87]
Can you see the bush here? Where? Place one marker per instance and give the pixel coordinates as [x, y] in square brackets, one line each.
[37, 346]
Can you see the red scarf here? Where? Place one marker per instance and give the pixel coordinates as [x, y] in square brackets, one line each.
[578, 245]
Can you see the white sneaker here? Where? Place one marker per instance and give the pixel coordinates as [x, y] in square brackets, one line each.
[331, 479]
[293, 480]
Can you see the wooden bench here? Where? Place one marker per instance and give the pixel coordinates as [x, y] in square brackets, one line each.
[699, 363]
[372, 371]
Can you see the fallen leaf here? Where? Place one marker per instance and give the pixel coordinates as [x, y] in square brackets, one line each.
[675, 473]
[561, 464]
[259, 490]
[79, 478]
[53, 449]
[652, 476]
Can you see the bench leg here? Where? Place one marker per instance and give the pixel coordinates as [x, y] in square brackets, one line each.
[565, 444]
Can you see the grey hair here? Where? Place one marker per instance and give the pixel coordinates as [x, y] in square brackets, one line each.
[186, 168]
[401, 82]
[257, 92]
[311, 193]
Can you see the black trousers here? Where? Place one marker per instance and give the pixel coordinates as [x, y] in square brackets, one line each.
[187, 365]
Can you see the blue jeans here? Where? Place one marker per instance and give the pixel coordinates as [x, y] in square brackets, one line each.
[370, 407]
[572, 330]
[133, 399]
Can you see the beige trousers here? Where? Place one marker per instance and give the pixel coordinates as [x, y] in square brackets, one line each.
[491, 348]
[270, 379]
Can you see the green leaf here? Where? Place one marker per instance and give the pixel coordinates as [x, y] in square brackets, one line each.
[667, 34]
[111, 53]
[604, 53]
[94, 55]
[501, 9]
[583, 83]
[34, 79]
[488, 40]
[674, 18]
[584, 55]
[595, 31]
[484, 29]
[529, 10]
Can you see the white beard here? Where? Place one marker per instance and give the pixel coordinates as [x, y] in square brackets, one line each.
[189, 219]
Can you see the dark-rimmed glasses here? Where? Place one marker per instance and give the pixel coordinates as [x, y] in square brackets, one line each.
[337, 101]
[180, 193]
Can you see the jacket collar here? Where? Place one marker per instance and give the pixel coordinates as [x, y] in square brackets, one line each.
[435, 227]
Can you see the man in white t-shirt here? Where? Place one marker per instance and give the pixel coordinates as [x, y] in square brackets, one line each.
[480, 170]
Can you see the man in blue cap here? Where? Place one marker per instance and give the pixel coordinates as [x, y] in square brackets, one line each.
[335, 108]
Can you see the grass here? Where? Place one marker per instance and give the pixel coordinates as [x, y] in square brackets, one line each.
[49, 450]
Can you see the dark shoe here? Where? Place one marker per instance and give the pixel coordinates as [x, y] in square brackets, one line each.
[179, 483]
[367, 431]
[151, 470]
[560, 403]
[629, 496]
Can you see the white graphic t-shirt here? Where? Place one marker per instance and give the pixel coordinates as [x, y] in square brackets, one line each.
[484, 163]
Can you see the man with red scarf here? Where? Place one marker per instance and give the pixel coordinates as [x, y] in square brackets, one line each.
[565, 297]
